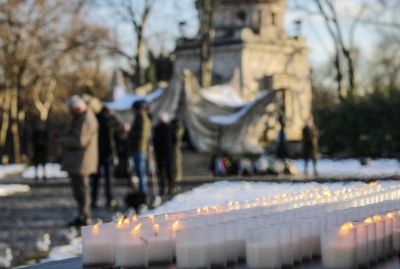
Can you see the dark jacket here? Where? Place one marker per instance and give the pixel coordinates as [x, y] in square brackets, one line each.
[40, 139]
[163, 141]
[106, 144]
[282, 151]
[140, 133]
[310, 142]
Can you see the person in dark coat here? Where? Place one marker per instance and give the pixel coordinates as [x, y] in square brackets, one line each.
[107, 154]
[139, 138]
[178, 132]
[282, 147]
[122, 148]
[40, 139]
[310, 145]
[163, 142]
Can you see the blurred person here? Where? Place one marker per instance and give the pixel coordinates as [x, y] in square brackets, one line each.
[123, 151]
[310, 145]
[40, 139]
[163, 142]
[178, 132]
[80, 155]
[107, 155]
[139, 138]
[282, 151]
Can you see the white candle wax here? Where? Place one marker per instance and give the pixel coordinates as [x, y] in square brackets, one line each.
[362, 244]
[97, 248]
[217, 254]
[396, 231]
[389, 234]
[380, 237]
[371, 227]
[263, 255]
[286, 245]
[131, 252]
[161, 249]
[191, 255]
[232, 250]
[339, 247]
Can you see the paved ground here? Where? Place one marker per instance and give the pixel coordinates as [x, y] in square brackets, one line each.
[49, 206]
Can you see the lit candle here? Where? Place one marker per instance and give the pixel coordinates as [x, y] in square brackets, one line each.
[97, 248]
[338, 247]
[362, 244]
[263, 248]
[380, 237]
[131, 248]
[161, 244]
[371, 227]
[192, 248]
[396, 231]
[388, 219]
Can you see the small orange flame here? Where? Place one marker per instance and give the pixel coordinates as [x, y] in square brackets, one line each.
[136, 229]
[156, 228]
[175, 225]
[230, 203]
[96, 230]
[345, 228]
[368, 220]
[126, 222]
[166, 216]
[198, 211]
[134, 218]
[151, 218]
[377, 218]
[389, 215]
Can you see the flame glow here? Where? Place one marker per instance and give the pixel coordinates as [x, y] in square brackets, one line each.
[96, 230]
[345, 228]
[136, 230]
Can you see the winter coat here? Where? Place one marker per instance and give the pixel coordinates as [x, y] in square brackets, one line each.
[140, 133]
[163, 142]
[80, 145]
[106, 143]
[310, 142]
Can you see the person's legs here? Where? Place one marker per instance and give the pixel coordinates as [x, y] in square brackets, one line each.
[108, 176]
[305, 166]
[170, 177]
[95, 188]
[315, 167]
[140, 167]
[81, 191]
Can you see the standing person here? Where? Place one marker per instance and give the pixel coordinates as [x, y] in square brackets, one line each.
[282, 151]
[163, 142]
[310, 145]
[80, 157]
[107, 154]
[123, 151]
[40, 139]
[139, 142]
[178, 132]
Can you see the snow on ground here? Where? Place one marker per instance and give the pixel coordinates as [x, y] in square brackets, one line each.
[10, 189]
[65, 252]
[353, 167]
[220, 193]
[52, 170]
[6, 170]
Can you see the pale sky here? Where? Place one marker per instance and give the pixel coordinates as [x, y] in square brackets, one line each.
[163, 27]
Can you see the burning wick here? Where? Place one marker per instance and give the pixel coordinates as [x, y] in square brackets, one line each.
[151, 218]
[345, 228]
[136, 229]
[156, 229]
[96, 230]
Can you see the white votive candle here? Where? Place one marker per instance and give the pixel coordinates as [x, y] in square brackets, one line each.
[338, 245]
[97, 248]
[380, 237]
[192, 248]
[362, 244]
[388, 218]
[161, 244]
[131, 249]
[371, 227]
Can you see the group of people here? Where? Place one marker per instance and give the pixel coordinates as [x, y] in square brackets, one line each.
[90, 147]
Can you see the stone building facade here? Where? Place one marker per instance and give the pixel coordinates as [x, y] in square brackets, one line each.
[250, 39]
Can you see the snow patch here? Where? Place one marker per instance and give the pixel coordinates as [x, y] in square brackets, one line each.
[10, 189]
[6, 170]
[51, 170]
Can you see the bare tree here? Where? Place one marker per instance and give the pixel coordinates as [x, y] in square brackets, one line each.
[128, 11]
[38, 39]
[342, 48]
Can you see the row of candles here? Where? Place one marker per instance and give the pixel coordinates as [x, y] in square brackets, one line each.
[348, 228]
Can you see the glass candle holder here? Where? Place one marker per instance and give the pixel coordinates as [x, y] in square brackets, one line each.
[192, 248]
[338, 247]
[97, 245]
[263, 248]
[388, 219]
[131, 248]
[371, 228]
[362, 244]
[161, 244]
[286, 244]
[216, 245]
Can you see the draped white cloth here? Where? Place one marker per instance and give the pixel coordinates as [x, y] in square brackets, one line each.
[216, 118]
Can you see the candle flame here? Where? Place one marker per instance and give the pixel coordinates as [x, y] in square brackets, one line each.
[136, 229]
[345, 228]
[389, 215]
[368, 220]
[166, 216]
[156, 228]
[120, 223]
[96, 230]
[377, 218]
[230, 203]
[126, 221]
[198, 211]
[134, 218]
[175, 225]
[151, 218]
